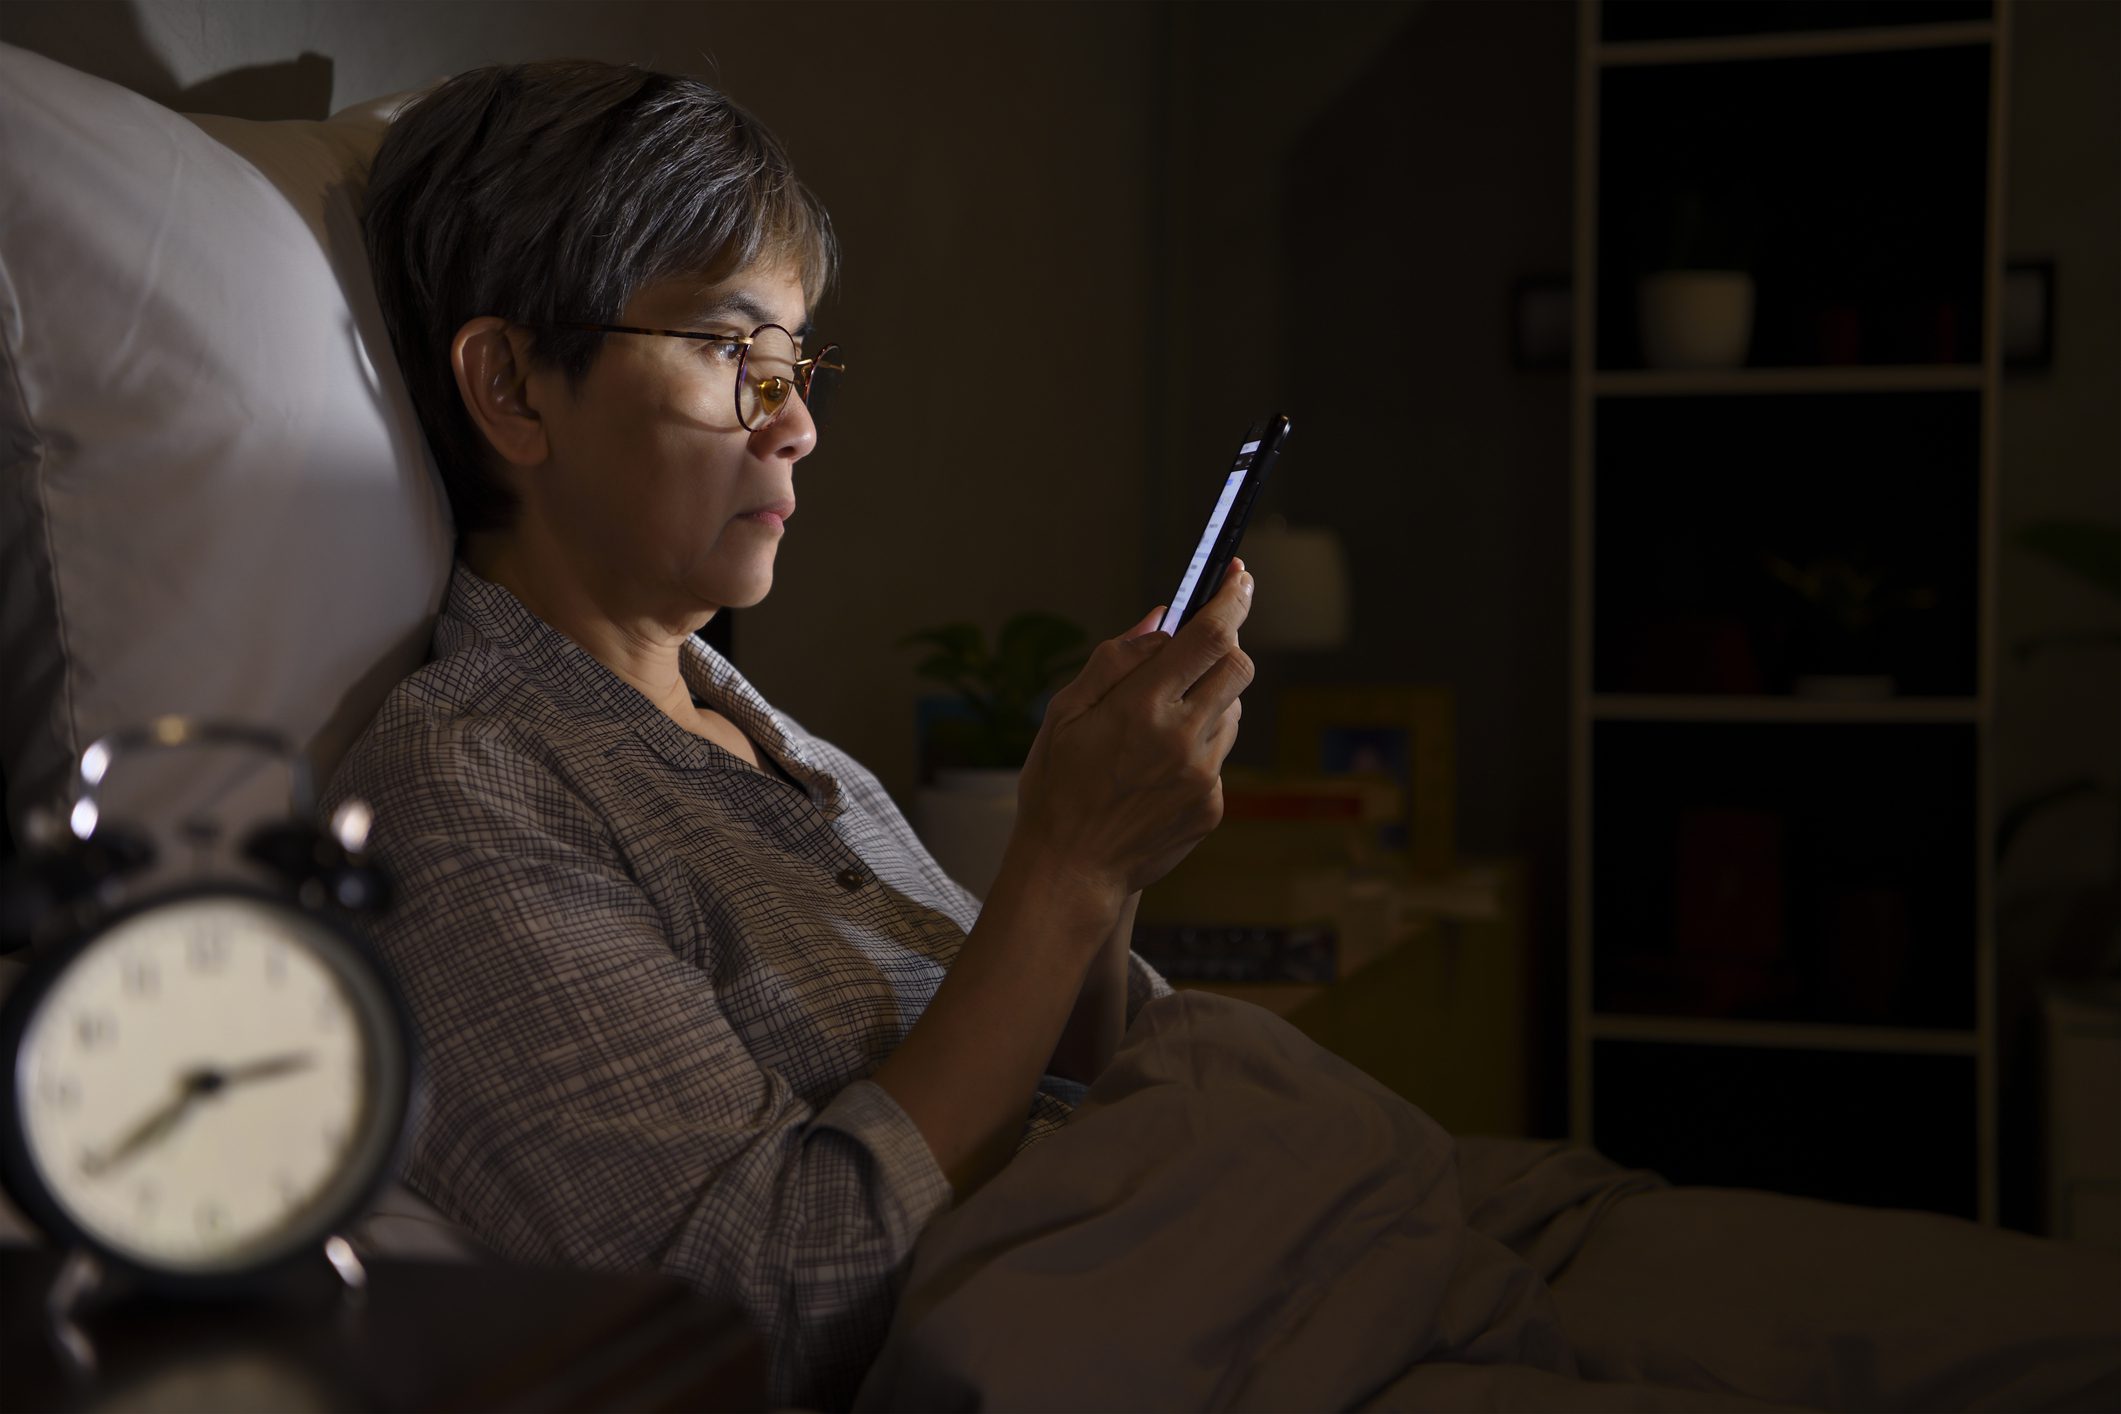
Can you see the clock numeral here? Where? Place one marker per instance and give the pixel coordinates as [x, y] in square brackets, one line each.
[59, 1092]
[146, 1197]
[141, 978]
[206, 951]
[290, 1192]
[334, 1136]
[211, 1218]
[95, 1029]
[275, 964]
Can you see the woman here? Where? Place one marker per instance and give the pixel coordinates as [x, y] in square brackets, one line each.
[690, 991]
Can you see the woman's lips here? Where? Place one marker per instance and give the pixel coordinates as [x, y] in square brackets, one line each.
[775, 515]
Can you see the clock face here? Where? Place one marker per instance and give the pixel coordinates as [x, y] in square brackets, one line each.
[209, 1083]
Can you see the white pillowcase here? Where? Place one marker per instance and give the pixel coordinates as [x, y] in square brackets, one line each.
[215, 498]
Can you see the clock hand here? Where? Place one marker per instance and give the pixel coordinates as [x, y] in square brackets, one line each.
[191, 1088]
[157, 1124]
[271, 1068]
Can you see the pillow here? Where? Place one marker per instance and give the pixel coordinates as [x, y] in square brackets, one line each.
[215, 498]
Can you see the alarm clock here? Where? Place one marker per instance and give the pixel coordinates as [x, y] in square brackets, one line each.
[207, 1083]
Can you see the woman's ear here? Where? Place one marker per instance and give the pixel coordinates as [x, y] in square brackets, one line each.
[491, 359]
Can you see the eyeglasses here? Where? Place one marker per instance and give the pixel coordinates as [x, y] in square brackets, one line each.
[769, 366]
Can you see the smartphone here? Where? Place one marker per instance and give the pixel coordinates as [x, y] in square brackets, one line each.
[1226, 522]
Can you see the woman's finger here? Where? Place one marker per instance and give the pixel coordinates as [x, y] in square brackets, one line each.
[1147, 625]
[1205, 642]
[1219, 736]
[1214, 691]
[1112, 661]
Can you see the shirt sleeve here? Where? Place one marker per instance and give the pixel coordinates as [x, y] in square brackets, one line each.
[1144, 985]
[588, 1102]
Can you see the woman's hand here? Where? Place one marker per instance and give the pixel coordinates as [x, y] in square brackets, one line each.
[1125, 777]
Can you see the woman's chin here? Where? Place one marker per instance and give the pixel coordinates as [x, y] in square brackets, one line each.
[743, 592]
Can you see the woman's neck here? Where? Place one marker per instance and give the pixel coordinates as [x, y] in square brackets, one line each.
[642, 644]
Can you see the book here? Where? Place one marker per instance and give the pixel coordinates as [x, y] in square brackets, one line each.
[1223, 952]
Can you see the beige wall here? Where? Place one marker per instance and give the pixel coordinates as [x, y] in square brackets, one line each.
[2059, 709]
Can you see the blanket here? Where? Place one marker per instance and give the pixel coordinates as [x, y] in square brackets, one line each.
[1235, 1219]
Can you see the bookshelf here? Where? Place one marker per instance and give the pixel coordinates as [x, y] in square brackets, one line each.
[1781, 948]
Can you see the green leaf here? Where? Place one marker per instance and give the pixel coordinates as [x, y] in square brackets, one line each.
[940, 665]
[1035, 637]
[1033, 652]
[1003, 689]
[961, 639]
[960, 655]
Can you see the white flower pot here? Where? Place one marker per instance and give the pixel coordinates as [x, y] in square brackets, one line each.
[1696, 318]
[965, 819]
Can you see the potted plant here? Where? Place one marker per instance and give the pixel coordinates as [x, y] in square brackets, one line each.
[975, 735]
[1845, 608]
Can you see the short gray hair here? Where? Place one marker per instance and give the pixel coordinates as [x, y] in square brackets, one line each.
[551, 192]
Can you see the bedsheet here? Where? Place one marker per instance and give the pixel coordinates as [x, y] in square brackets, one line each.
[1235, 1219]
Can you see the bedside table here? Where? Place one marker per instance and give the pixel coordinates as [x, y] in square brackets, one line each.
[1434, 1009]
[455, 1336]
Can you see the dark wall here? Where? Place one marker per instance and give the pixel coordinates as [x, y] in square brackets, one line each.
[1349, 253]
[1416, 202]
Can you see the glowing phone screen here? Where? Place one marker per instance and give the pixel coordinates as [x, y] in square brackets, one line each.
[1177, 612]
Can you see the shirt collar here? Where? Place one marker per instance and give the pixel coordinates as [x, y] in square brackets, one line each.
[572, 677]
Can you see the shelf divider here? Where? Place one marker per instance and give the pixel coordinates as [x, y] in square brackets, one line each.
[1662, 707]
[1850, 378]
[1784, 1035]
[1795, 44]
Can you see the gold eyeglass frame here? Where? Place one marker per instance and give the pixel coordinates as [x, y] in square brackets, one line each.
[773, 390]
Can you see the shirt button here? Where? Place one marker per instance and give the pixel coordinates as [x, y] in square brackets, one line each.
[853, 877]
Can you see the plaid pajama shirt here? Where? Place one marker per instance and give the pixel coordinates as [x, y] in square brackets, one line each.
[650, 982]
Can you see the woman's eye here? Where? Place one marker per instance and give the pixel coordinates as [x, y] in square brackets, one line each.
[724, 350]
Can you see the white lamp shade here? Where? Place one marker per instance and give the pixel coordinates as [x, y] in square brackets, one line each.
[1301, 600]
